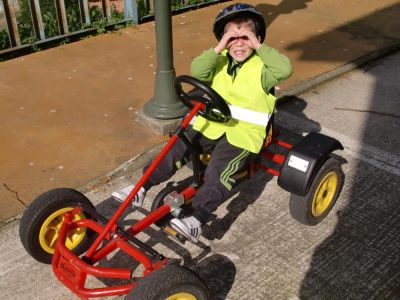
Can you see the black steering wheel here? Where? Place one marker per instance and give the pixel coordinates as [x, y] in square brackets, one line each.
[215, 108]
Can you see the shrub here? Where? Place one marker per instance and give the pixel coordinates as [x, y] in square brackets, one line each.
[4, 40]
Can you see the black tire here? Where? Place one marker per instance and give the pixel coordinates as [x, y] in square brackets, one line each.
[312, 208]
[170, 281]
[159, 201]
[46, 211]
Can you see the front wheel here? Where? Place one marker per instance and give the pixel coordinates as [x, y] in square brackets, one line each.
[171, 282]
[42, 221]
[312, 208]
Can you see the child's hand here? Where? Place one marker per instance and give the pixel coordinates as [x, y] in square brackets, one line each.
[250, 38]
[227, 38]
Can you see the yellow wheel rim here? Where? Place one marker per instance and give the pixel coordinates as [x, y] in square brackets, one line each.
[324, 194]
[50, 229]
[182, 296]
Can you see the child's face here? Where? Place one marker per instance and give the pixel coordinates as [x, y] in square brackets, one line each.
[239, 46]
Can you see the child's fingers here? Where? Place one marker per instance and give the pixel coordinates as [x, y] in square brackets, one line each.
[228, 37]
[252, 40]
[230, 34]
[225, 41]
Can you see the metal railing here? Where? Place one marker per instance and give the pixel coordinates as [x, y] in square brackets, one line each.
[36, 23]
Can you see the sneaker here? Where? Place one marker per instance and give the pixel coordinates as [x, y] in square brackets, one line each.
[122, 194]
[190, 227]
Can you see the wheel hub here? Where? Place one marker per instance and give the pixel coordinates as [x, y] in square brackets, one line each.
[324, 194]
[182, 296]
[49, 231]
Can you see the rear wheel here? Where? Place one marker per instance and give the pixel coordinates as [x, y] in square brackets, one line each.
[171, 282]
[312, 208]
[42, 221]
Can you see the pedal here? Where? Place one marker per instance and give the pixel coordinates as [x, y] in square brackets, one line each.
[172, 232]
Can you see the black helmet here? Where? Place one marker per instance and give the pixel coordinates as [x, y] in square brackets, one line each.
[239, 10]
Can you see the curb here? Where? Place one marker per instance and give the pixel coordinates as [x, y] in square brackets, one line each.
[305, 85]
[139, 161]
[125, 169]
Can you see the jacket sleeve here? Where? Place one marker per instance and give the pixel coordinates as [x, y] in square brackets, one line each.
[203, 66]
[276, 68]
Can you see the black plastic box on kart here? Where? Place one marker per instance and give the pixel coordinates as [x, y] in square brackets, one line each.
[304, 160]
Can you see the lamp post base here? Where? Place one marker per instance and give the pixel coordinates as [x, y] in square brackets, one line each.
[158, 126]
[165, 103]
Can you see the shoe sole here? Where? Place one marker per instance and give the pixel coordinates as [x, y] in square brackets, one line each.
[188, 237]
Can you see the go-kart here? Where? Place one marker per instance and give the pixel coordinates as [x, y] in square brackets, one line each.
[62, 227]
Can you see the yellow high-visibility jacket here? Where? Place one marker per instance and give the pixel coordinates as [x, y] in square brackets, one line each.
[251, 106]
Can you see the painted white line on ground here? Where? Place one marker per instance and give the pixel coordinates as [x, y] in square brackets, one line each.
[376, 157]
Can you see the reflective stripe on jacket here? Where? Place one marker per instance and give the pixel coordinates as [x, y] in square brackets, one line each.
[251, 107]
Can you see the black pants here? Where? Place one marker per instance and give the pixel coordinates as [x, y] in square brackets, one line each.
[225, 161]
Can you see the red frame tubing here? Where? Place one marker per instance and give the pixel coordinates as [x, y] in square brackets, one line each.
[267, 169]
[149, 219]
[188, 193]
[275, 157]
[140, 183]
[284, 144]
[72, 271]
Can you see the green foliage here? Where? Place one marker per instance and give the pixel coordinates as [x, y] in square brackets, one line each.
[95, 14]
[50, 23]
[183, 3]
[141, 7]
[25, 27]
[4, 40]
[73, 16]
[176, 4]
[115, 14]
[193, 2]
[49, 18]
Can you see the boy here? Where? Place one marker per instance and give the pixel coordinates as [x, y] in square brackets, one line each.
[242, 70]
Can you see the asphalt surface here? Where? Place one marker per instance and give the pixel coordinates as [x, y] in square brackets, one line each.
[254, 249]
[68, 113]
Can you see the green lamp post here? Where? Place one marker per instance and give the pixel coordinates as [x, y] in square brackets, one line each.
[165, 103]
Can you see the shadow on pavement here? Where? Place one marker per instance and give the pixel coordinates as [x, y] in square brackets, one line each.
[246, 194]
[360, 259]
[377, 28]
[219, 272]
[271, 12]
[296, 105]
[216, 270]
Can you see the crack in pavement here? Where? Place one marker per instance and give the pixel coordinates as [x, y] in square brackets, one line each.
[16, 194]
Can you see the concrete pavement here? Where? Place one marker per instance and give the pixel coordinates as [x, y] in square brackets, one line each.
[254, 249]
[68, 113]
